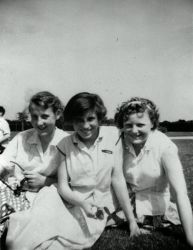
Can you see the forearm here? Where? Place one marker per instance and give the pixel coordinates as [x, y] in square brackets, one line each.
[185, 213]
[68, 195]
[120, 189]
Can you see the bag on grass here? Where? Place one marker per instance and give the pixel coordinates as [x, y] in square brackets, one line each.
[10, 202]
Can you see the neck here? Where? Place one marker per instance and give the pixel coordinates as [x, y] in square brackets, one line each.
[45, 140]
[138, 147]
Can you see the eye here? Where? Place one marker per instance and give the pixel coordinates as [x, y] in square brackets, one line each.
[34, 117]
[128, 126]
[44, 116]
[140, 125]
[90, 119]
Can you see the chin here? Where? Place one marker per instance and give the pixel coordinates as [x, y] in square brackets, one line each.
[43, 134]
[86, 137]
[138, 142]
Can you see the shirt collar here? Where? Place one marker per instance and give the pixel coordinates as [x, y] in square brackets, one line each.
[34, 138]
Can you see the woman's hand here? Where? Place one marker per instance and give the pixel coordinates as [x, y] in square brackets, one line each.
[134, 229]
[34, 179]
[90, 208]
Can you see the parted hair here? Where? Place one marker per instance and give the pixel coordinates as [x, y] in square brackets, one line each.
[137, 105]
[83, 102]
[46, 100]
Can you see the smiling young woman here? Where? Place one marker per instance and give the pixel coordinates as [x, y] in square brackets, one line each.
[34, 149]
[151, 164]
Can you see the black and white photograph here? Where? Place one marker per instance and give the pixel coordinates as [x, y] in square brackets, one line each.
[96, 124]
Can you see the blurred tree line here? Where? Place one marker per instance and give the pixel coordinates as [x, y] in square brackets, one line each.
[22, 123]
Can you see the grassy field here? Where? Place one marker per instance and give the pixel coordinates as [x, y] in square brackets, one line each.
[173, 239]
[179, 134]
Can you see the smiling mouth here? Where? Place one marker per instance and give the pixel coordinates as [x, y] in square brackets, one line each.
[41, 128]
[86, 132]
[137, 136]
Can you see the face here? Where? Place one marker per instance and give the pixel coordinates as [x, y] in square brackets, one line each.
[43, 120]
[137, 128]
[87, 126]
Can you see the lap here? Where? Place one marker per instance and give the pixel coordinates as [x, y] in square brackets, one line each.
[50, 218]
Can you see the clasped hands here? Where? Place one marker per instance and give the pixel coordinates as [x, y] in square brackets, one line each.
[34, 180]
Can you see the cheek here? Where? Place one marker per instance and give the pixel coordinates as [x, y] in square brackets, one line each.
[75, 126]
[33, 122]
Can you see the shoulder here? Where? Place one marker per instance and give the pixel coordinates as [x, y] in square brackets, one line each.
[3, 121]
[60, 134]
[66, 142]
[26, 134]
[161, 142]
[23, 137]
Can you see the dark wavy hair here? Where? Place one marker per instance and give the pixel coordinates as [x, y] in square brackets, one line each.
[136, 105]
[46, 100]
[81, 103]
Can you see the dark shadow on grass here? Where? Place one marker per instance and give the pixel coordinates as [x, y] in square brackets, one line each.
[118, 239]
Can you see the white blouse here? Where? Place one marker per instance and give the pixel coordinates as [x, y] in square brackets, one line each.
[146, 175]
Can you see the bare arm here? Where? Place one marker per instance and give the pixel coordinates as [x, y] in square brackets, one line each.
[174, 172]
[120, 188]
[67, 193]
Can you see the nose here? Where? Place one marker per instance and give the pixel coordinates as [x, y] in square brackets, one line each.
[134, 130]
[85, 125]
[40, 121]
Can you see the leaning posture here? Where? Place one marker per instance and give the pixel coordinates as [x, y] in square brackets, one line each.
[151, 164]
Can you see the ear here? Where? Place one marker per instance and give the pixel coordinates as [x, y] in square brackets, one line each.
[58, 114]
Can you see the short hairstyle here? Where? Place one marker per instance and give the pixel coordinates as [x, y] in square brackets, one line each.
[81, 103]
[46, 100]
[137, 105]
[2, 110]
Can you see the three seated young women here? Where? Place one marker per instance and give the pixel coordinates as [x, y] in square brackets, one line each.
[73, 213]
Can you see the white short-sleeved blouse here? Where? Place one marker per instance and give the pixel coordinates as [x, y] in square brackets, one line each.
[25, 149]
[146, 176]
[90, 170]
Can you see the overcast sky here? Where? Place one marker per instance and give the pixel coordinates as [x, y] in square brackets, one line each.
[117, 49]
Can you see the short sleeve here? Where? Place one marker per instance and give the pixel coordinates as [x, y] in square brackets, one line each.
[170, 159]
[169, 148]
[61, 155]
[118, 155]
